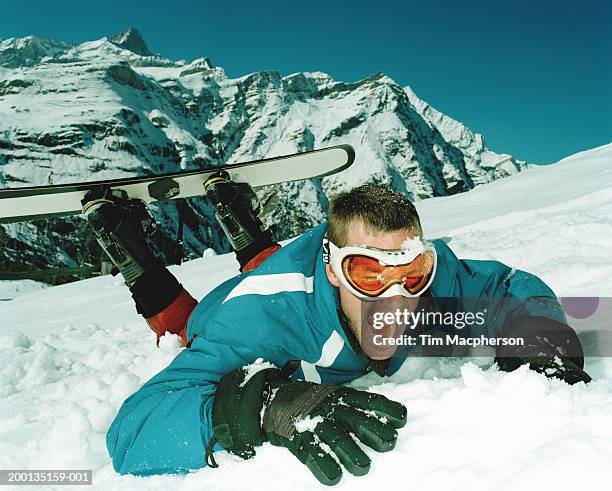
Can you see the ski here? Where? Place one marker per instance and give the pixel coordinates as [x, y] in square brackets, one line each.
[27, 203]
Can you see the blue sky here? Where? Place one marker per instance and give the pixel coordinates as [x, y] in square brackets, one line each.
[535, 77]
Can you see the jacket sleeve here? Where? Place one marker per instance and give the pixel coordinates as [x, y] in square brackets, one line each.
[506, 293]
[165, 426]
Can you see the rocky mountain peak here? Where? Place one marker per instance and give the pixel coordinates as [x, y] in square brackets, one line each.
[29, 50]
[132, 40]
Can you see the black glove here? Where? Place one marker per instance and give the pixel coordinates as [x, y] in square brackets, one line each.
[300, 416]
[550, 347]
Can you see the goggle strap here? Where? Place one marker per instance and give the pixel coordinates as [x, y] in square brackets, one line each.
[326, 251]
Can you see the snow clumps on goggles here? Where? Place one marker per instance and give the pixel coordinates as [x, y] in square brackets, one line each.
[371, 273]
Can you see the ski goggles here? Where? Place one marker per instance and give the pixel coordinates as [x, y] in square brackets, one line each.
[371, 273]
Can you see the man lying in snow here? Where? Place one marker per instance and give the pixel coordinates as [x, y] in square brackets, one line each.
[299, 308]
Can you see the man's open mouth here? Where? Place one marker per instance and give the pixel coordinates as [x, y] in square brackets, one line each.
[385, 330]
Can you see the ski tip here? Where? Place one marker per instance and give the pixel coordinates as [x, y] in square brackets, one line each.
[350, 152]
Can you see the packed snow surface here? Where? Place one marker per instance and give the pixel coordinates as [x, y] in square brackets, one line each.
[72, 353]
[12, 289]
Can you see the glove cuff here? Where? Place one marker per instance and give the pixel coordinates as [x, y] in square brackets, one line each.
[236, 411]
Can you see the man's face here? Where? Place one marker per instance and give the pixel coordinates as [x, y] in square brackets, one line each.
[354, 308]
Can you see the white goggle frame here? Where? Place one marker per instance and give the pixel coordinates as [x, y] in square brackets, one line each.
[334, 256]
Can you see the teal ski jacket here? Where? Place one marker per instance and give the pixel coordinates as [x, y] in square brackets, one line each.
[284, 310]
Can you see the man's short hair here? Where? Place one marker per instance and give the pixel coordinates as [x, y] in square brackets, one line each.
[379, 208]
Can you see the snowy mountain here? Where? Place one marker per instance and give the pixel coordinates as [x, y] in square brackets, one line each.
[72, 353]
[111, 107]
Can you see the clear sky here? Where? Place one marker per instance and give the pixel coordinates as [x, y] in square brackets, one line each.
[533, 76]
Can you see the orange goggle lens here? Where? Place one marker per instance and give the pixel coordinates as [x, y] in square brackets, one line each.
[368, 276]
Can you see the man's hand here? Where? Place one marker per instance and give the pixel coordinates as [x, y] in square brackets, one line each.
[305, 418]
[302, 415]
[551, 366]
[550, 348]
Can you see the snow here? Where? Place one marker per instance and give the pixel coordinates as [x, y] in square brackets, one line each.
[12, 289]
[209, 253]
[72, 353]
[413, 246]
[307, 423]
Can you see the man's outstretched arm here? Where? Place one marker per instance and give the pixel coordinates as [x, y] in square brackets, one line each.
[165, 426]
[523, 306]
[208, 400]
